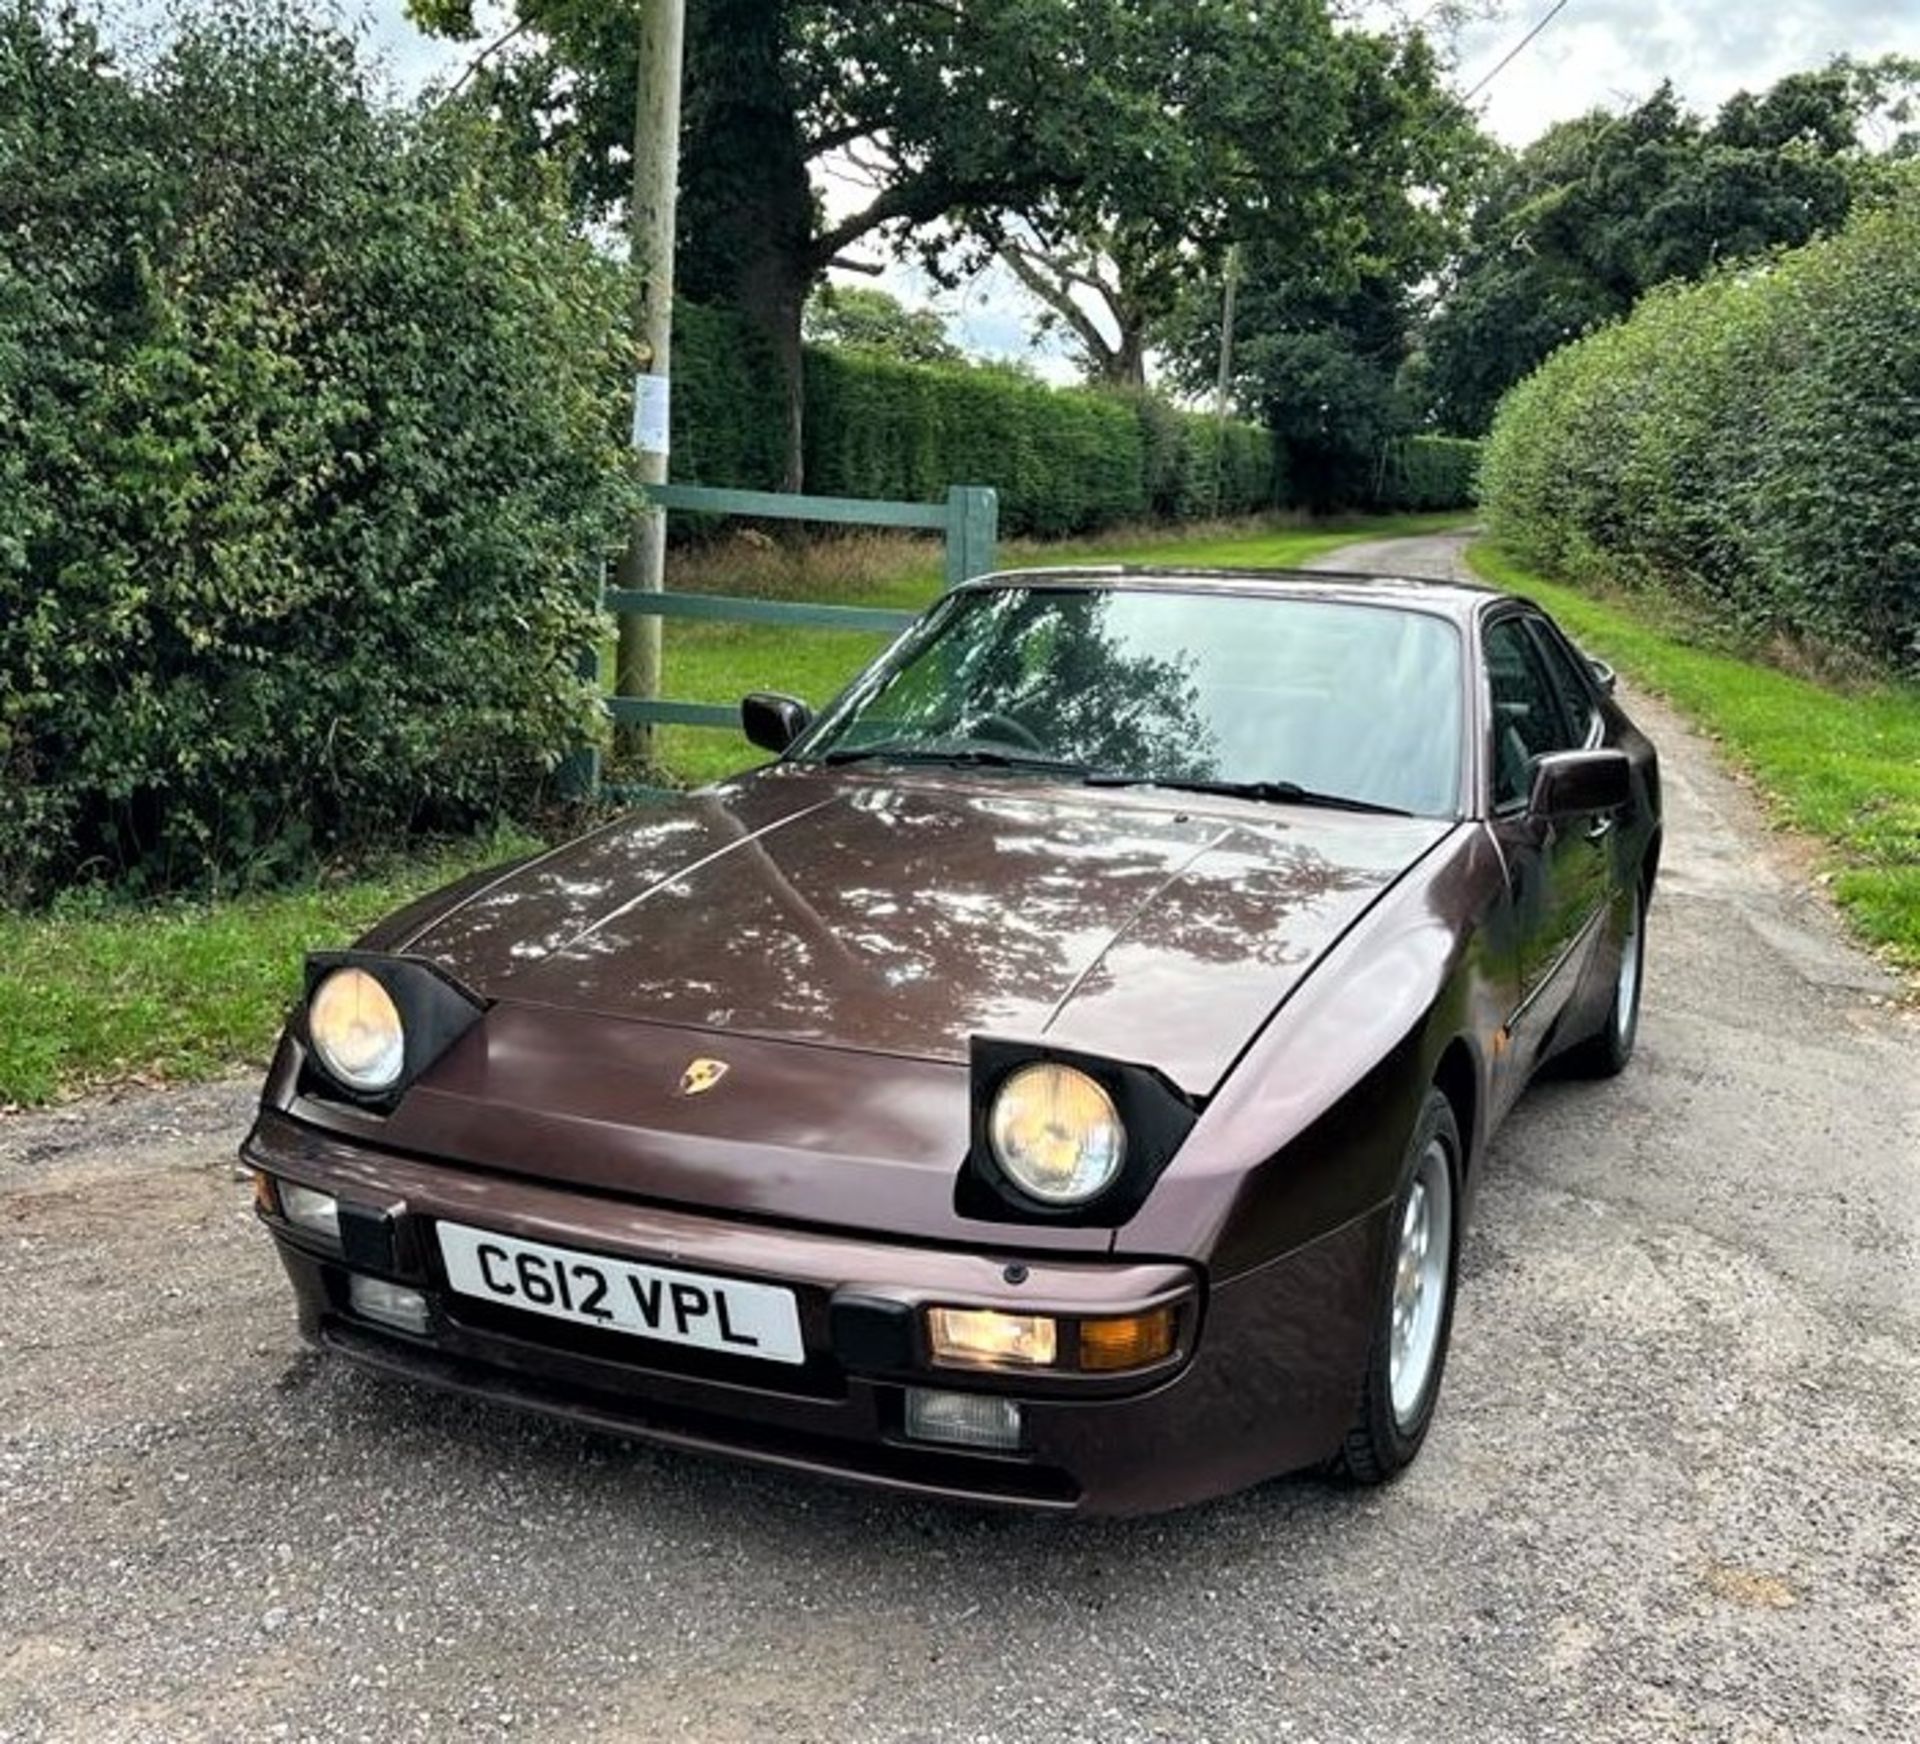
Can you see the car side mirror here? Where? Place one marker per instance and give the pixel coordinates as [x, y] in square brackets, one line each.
[1574, 783]
[1603, 674]
[772, 721]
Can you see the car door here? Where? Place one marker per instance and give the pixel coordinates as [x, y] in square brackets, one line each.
[1580, 707]
[1557, 872]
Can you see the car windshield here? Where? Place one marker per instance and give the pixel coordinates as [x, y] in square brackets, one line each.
[1277, 696]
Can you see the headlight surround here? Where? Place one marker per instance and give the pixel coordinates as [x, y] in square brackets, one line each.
[1056, 1133]
[357, 1032]
[372, 1023]
[1151, 1115]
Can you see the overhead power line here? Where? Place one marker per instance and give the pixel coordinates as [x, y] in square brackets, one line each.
[1514, 53]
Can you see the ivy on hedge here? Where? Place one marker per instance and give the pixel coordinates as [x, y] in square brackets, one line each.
[1750, 444]
[729, 427]
[304, 426]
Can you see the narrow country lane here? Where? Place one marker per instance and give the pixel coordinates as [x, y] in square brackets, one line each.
[1673, 1491]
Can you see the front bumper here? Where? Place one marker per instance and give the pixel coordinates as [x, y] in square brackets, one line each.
[1263, 1379]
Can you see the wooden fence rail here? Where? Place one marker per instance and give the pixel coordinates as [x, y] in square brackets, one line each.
[968, 522]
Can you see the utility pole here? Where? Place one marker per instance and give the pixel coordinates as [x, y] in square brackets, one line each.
[656, 177]
[1223, 388]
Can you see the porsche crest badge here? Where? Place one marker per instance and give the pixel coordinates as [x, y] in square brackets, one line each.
[701, 1076]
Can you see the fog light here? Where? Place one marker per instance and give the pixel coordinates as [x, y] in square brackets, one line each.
[985, 1338]
[963, 1419]
[390, 1304]
[316, 1213]
[1129, 1341]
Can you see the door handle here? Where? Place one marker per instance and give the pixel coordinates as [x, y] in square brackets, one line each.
[1599, 829]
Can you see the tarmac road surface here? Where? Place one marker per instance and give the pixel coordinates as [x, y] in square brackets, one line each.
[1673, 1491]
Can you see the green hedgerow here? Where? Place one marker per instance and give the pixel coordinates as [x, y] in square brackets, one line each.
[1749, 444]
[308, 411]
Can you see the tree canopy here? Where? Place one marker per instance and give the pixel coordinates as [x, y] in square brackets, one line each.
[925, 108]
[867, 319]
[1247, 113]
[1107, 148]
[1326, 316]
[1570, 232]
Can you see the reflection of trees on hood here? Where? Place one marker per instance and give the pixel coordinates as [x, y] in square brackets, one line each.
[1051, 662]
[893, 916]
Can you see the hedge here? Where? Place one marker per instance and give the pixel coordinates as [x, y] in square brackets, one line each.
[1064, 460]
[1428, 472]
[304, 425]
[1750, 444]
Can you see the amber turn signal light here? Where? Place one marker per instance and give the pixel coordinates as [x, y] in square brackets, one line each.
[264, 1200]
[1129, 1341]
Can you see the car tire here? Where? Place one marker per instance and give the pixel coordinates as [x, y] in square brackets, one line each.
[1407, 1354]
[1605, 1053]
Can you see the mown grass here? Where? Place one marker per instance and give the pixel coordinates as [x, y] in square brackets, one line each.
[719, 663]
[1839, 762]
[98, 993]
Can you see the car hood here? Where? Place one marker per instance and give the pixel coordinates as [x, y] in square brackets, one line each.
[904, 913]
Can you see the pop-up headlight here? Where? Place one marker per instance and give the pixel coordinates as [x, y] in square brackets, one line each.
[372, 1024]
[1064, 1137]
[356, 1031]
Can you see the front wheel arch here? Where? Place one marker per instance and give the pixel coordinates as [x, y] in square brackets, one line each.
[1456, 1076]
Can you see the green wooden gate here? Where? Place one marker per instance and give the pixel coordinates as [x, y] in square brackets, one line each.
[969, 521]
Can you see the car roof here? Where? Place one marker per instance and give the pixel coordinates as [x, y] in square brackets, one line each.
[1459, 599]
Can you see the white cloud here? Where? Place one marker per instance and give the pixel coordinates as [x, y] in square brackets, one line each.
[1610, 52]
[990, 316]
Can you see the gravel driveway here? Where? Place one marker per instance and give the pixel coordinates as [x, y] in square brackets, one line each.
[1673, 1491]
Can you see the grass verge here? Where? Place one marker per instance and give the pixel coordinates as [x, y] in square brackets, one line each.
[108, 993]
[1840, 764]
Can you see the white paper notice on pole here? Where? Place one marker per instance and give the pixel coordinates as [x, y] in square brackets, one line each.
[652, 413]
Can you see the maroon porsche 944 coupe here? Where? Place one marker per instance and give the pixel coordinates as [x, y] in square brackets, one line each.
[1059, 1078]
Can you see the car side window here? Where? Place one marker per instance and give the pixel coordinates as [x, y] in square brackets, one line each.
[1525, 713]
[1576, 698]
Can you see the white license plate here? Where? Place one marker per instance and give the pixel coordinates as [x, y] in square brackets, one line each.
[719, 1314]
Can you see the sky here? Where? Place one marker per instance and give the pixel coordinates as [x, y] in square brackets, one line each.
[1617, 51]
[1610, 53]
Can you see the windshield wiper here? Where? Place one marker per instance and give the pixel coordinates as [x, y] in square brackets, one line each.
[1275, 792]
[976, 756]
